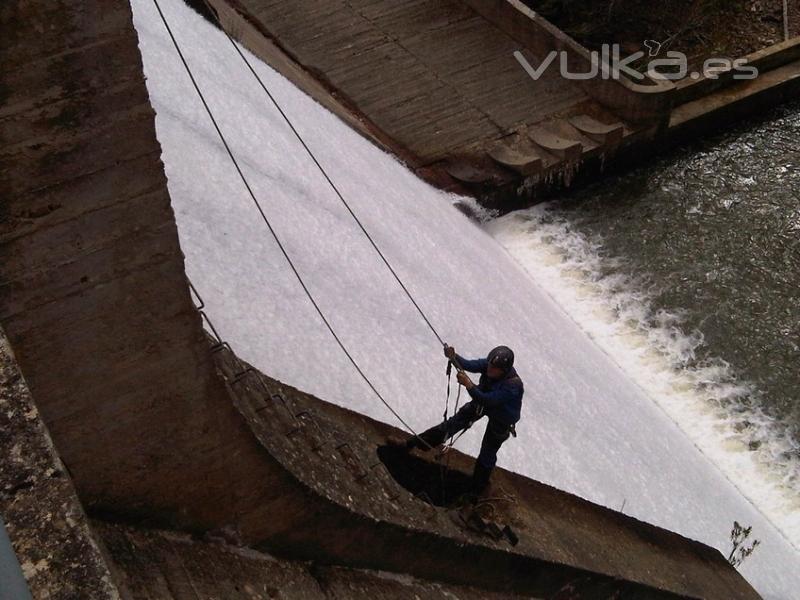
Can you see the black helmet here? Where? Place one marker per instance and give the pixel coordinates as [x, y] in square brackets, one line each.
[501, 357]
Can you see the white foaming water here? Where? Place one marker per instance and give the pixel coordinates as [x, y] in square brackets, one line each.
[720, 414]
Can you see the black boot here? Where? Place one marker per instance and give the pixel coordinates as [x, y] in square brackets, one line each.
[427, 440]
[398, 444]
[480, 478]
[418, 441]
[410, 443]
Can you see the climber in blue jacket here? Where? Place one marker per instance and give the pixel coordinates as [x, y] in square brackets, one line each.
[497, 395]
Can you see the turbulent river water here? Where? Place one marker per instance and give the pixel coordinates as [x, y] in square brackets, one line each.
[694, 260]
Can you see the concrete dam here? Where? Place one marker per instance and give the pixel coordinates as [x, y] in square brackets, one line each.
[434, 83]
[145, 456]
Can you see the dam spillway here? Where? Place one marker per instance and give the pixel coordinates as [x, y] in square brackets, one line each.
[207, 485]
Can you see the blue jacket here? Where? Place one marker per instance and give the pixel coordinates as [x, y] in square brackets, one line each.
[500, 398]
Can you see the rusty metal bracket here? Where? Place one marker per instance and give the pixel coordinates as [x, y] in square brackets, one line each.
[352, 461]
[241, 375]
[315, 439]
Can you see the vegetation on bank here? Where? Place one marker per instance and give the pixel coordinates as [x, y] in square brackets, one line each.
[698, 28]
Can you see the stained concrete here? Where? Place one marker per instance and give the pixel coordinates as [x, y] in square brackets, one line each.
[93, 294]
[344, 473]
[58, 553]
[161, 565]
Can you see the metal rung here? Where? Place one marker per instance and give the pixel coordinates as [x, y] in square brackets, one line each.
[241, 375]
[278, 399]
[310, 416]
[200, 305]
[219, 347]
[294, 423]
[352, 461]
[258, 401]
[315, 440]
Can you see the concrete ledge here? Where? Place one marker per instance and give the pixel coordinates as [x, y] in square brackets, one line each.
[733, 102]
[159, 565]
[328, 478]
[764, 60]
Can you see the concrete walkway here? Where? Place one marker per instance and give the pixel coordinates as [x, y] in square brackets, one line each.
[436, 83]
[432, 74]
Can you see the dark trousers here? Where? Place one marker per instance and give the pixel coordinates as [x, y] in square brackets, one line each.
[494, 437]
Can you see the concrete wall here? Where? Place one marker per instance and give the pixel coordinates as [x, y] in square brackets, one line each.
[766, 59]
[160, 565]
[93, 294]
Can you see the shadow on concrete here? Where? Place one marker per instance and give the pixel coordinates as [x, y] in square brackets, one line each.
[201, 7]
[430, 481]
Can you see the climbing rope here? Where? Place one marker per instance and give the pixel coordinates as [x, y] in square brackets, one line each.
[333, 186]
[453, 438]
[444, 469]
[325, 175]
[786, 20]
[277, 238]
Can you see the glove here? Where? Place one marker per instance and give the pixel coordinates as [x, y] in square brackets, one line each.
[464, 380]
[449, 351]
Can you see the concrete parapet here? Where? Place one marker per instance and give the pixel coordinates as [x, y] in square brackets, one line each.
[766, 59]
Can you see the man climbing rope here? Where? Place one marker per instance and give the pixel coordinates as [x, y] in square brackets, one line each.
[498, 395]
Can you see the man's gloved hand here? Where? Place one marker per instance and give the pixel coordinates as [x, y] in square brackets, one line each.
[464, 380]
[449, 351]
